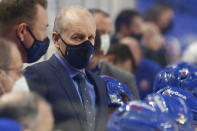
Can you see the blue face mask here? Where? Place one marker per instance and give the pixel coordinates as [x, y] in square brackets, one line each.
[38, 49]
[138, 37]
[78, 56]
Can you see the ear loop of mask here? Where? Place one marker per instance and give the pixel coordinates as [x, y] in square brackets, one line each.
[61, 52]
[31, 33]
[64, 43]
[20, 41]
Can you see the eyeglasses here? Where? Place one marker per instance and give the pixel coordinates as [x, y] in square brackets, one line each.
[19, 70]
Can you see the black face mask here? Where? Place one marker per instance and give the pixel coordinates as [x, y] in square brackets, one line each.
[138, 37]
[78, 56]
[168, 28]
[37, 50]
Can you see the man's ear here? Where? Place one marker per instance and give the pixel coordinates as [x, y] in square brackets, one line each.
[21, 31]
[56, 39]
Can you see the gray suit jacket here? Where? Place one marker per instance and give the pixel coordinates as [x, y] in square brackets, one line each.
[127, 78]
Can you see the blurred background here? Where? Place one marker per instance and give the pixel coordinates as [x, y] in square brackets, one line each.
[182, 33]
[113, 7]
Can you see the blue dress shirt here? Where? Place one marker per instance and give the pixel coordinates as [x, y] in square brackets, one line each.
[72, 73]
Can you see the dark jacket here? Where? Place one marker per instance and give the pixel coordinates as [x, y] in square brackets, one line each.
[52, 81]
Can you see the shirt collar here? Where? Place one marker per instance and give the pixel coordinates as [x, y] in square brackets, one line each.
[72, 73]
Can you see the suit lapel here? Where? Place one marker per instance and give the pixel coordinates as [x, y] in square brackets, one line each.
[68, 87]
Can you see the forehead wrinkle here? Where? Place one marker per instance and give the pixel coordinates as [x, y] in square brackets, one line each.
[77, 14]
[81, 27]
[77, 19]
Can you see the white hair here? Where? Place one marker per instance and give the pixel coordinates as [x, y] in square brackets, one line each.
[69, 14]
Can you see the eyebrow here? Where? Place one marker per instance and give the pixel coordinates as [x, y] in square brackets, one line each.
[82, 34]
[79, 34]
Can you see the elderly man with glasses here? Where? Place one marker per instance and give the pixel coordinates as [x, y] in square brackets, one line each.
[11, 78]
